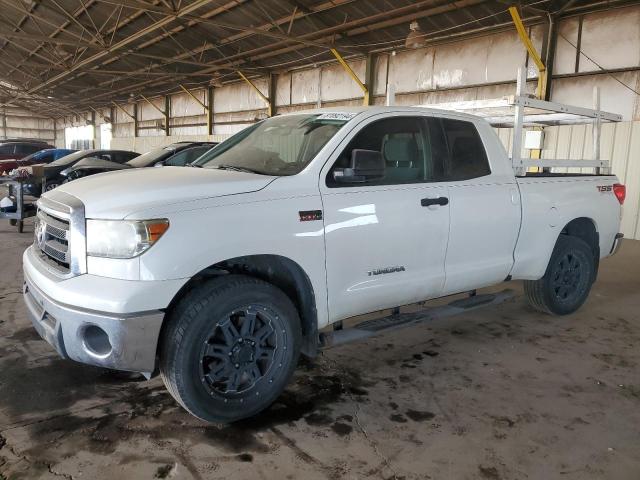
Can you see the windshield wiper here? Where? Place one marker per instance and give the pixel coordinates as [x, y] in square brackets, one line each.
[238, 169]
[193, 165]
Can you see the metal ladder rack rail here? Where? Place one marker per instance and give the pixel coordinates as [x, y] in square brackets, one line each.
[521, 110]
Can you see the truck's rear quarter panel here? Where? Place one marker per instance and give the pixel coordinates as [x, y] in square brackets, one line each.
[549, 204]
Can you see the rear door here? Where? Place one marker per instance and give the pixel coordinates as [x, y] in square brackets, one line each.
[484, 208]
[386, 239]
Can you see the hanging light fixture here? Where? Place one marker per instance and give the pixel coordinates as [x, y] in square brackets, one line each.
[416, 37]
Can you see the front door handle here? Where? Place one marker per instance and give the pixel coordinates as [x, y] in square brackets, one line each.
[428, 202]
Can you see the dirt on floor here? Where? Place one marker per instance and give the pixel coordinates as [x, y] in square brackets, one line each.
[500, 393]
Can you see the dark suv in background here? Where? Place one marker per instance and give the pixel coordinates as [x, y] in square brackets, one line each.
[52, 178]
[17, 149]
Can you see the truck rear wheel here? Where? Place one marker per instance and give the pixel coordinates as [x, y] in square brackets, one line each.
[567, 281]
[230, 347]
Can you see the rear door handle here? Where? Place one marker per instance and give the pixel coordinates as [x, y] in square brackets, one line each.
[427, 202]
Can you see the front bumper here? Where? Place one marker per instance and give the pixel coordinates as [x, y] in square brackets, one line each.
[118, 341]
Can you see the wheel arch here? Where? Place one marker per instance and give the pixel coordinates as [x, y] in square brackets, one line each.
[586, 229]
[277, 270]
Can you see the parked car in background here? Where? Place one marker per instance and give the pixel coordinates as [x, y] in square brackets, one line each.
[17, 149]
[174, 155]
[47, 155]
[51, 177]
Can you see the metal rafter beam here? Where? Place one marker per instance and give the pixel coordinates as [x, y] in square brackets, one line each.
[404, 13]
[22, 35]
[121, 44]
[235, 37]
[225, 25]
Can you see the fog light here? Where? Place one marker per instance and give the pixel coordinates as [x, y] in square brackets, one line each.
[96, 341]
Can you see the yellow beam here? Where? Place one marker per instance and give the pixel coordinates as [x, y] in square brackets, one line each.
[257, 90]
[533, 53]
[194, 97]
[352, 74]
[153, 104]
[124, 111]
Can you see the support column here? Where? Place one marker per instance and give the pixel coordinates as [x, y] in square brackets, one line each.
[272, 94]
[210, 110]
[93, 126]
[549, 44]
[4, 122]
[135, 120]
[167, 115]
[370, 77]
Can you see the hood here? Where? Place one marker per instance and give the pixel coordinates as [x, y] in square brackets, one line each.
[6, 165]
[115, 195]
[98, 163]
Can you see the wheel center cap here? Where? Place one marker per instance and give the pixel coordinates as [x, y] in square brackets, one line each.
[242, 353]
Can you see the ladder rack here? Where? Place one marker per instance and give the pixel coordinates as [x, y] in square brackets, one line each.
[521, 111]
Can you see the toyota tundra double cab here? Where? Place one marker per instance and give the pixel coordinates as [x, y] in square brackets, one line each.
[220, 275]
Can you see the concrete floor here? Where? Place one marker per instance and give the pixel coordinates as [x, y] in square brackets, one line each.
[504, 393]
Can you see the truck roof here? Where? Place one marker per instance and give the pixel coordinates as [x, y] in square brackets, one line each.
[373, 109]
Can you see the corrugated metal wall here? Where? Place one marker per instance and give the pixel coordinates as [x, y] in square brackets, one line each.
[18, 123]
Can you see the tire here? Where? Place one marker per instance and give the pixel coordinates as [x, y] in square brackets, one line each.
[229, 348]
[567, 281]
[50, 186]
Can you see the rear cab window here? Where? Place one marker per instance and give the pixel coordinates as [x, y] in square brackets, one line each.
[460, 146]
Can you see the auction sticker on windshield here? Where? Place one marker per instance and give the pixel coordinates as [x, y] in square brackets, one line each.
[337, 116]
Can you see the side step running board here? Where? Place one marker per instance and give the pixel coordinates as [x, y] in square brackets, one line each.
[370, 328]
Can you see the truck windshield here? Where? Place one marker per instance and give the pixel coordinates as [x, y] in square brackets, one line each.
[277, 146]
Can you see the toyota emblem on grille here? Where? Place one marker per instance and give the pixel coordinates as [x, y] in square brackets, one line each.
[40, 234]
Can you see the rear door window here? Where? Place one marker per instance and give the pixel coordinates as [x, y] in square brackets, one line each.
[459, 144]
[7, 149]
[27, 149]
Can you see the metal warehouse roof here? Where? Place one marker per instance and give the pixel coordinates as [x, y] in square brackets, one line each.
[63, 56]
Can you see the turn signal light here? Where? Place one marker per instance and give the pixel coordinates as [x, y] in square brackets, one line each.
[156, 228]
[620, 191]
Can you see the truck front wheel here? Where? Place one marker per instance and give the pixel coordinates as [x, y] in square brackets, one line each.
[567, 281]
[229, 348]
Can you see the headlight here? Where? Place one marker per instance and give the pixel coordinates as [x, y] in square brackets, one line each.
[123, 238]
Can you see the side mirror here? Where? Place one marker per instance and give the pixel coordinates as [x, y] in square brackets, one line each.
[158, 164]
[365, 165]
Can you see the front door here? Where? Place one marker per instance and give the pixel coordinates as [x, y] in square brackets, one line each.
[386, 239]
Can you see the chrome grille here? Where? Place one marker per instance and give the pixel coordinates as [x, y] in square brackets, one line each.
[52, 240]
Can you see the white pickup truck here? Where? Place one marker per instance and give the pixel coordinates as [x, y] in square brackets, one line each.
[219, 277]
